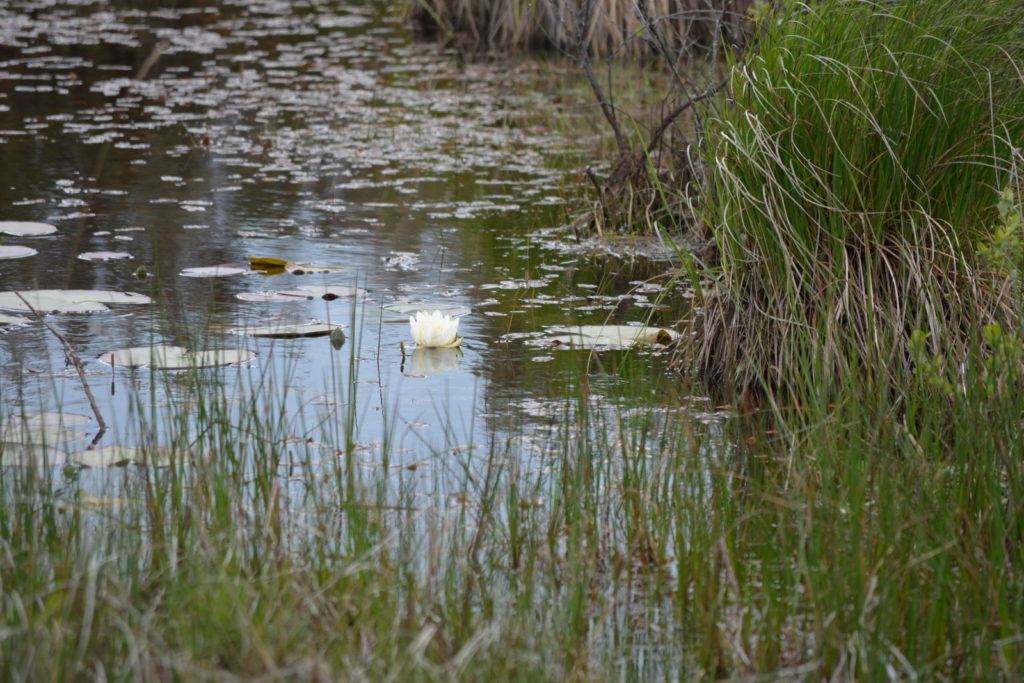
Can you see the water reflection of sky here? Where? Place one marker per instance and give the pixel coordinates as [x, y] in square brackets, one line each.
[310, 131]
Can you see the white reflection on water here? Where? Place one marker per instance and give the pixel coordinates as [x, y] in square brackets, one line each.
[433, 361]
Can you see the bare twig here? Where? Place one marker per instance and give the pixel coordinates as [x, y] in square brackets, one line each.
[597, 183]
[583, 17]
[78, 366]
[667, 120]
[158, 49]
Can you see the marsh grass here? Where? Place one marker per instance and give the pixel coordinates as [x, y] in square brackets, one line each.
[641, 534]
[854, 180]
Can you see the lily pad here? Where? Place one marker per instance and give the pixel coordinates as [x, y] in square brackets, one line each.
[162, 357]
[87, 501]
[116, 456]
[30, 455]
[26, 228]
[14, 251]
[609, 336]
[453, 310]
[306, 269]
[224, 270]
[266, 262]
[41, 428]
[273, 296]
[104, 255]
[314, 328]
[308, 292]
[68, 300]
[330, 292]
[337, 338]
[267, 265]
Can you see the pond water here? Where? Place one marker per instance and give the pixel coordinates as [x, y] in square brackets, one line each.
[321, 133]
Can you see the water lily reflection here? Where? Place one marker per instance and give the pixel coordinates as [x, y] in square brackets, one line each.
[434, 361]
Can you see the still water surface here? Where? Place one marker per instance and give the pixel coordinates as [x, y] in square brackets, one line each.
[203, 134]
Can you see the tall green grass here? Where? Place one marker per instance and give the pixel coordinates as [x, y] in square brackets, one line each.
[629, 537]
[855, 178]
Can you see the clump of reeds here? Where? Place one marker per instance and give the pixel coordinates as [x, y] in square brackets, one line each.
[854, 183]
[611, 26]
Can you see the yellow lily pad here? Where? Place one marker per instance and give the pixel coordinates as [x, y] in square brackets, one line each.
[268, 265]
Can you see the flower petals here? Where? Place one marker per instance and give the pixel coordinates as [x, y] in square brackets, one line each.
[434, 330]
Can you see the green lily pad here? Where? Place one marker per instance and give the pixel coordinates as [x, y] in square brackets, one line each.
[116, 456]
[304, 269]
[41, 428]
[30, 455]
[306, 292]
[337, 338]
[103, 255]
[68, 300]
[26, 228]
[314, 328]
[609, 336]
[87, 501]
[8, 251]
[273, 296]
[454, 310]
[329, 292]
[161, 357]
[224, 270]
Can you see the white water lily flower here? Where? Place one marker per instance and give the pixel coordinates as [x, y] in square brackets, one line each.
[435, 330]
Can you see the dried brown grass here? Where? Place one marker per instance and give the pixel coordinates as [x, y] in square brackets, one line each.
[616, 27]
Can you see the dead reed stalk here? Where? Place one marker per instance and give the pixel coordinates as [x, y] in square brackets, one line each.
[615, 27]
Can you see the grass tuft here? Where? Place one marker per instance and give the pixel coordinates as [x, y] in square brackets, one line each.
[855, 179]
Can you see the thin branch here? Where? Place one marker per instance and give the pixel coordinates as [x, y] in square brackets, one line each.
[78, 366]
[600, 193]
[583, 17]
[674, 114]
